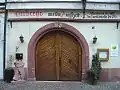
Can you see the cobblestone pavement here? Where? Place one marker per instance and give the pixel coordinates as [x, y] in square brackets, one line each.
[34, 85]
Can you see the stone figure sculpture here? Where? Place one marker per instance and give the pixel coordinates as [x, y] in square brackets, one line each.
[19, 70]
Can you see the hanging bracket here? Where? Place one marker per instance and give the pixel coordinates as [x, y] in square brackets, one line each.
[11, 24]
[117, 24]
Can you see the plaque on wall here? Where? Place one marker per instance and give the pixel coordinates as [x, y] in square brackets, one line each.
[103, 54]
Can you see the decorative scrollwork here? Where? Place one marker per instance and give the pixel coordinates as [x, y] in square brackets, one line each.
[58, 25]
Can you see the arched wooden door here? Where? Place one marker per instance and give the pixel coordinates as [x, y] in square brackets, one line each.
[58, 57]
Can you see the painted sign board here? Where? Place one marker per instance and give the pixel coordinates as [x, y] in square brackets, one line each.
[67, 14]
[114, 50]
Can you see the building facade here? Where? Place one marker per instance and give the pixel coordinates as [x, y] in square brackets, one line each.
[58, 41]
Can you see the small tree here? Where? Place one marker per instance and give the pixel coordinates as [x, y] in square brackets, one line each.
[94, 72]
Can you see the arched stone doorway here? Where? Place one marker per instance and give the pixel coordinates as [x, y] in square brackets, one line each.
[53, 27]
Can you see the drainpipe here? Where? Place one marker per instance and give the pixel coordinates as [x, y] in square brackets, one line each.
[4, 41]
[84, 7]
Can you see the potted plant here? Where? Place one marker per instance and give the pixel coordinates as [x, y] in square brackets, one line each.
[94, 71]
[9, 71]
[8, 74]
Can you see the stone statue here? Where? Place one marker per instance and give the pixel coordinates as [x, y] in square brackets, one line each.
[19, 70]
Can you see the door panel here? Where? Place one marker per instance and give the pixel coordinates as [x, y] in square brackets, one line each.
[69, 68]
[45, 58]
[58, 57]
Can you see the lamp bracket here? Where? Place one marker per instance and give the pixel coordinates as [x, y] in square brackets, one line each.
[117, 24]
[17, 47]
[11, 24]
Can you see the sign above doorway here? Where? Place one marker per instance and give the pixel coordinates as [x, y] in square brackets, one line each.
[63, 14]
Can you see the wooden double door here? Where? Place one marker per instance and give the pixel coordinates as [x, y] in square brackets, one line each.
[58, 57]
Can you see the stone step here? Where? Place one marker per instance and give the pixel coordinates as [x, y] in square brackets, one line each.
[56, 85]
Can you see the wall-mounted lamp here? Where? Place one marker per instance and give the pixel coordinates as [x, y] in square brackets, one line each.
[94, 39]
[21, 39]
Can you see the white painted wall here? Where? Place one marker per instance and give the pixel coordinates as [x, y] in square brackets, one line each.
[2, 0]
[1, 44]
[107, 34]
[70, 5]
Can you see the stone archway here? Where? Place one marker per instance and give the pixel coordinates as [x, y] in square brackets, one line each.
[48, 28]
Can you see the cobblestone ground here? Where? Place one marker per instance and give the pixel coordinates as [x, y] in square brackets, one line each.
[32, 85]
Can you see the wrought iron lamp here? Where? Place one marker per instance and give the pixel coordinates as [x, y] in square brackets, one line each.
[21, 39]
